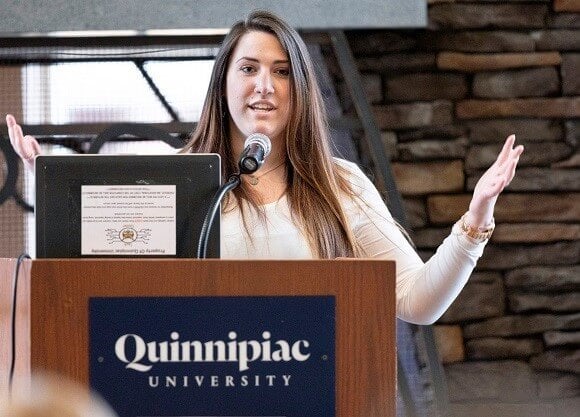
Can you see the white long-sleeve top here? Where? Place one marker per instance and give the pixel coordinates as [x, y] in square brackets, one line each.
[423, 290]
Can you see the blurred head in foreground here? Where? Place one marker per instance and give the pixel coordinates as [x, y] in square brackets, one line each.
[51, 396]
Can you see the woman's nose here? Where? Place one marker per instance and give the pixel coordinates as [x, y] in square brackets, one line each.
[264, 84]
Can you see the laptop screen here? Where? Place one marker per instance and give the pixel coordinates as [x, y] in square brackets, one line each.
[124, 205]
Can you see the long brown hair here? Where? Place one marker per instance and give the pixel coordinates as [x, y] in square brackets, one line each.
[314, 181]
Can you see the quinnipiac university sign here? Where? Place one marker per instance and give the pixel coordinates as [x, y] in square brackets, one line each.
[214, 356]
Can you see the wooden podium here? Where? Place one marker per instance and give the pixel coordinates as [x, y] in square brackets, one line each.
[53, 298]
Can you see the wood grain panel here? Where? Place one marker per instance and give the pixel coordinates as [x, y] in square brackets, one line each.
[365, 311]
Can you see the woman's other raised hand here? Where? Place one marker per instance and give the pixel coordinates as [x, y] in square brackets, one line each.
[492, 183]
[27, 147]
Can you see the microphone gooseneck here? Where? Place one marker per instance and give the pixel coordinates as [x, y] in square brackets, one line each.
[256, 148]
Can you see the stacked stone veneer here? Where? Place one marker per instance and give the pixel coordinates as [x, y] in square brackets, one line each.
[445, 98]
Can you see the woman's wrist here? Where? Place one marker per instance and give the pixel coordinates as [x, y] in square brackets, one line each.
[479, 220]
[480, 213]
[479, 232]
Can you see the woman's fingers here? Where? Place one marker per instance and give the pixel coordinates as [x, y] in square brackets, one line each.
[27, 147]
[508, 155]
[10, 121]
[511, 172]
[35, 145]
[12, 133]
[17, 140]
[30, 147]
[508, 171]
[506, 149]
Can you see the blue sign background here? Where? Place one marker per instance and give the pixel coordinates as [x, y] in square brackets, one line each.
[311, 389]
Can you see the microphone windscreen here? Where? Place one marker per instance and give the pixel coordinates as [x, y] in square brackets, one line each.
[261, 139]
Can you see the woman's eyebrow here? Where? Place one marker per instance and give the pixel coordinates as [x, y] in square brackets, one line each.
[247, 58]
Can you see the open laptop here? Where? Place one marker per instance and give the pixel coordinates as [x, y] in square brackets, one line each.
[124, 205]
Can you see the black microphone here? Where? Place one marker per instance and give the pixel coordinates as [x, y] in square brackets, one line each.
[256, 148]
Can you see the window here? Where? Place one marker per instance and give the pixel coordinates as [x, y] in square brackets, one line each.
[89, 92]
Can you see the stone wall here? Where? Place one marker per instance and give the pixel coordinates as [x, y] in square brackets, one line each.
[445, 98]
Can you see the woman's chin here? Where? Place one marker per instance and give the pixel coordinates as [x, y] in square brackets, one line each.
[265, 131]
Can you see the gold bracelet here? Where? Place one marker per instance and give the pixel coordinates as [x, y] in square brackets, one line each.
[477, 233]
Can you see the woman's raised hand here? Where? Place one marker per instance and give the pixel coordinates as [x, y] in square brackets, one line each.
[492, 183]
[27, 147]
